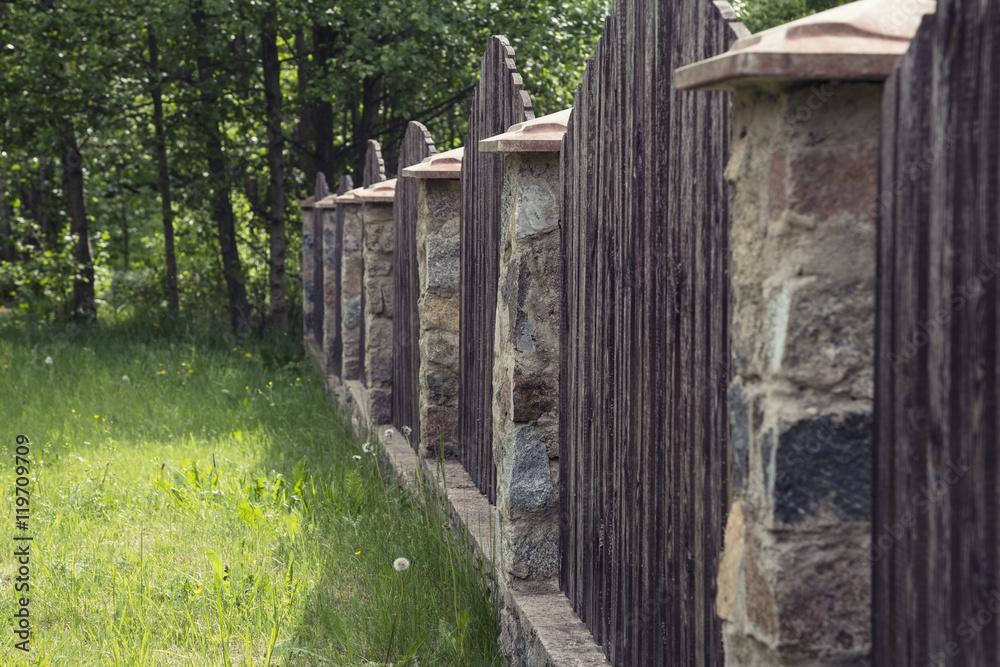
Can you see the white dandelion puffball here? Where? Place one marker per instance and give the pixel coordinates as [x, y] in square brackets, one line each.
[357, 457]
[401, 564]
[366, 448]
[48, 360]
[407, 431]
[389, 432]
[124, 378]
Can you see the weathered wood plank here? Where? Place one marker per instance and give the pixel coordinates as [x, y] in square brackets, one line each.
[645, 355]
[417, 145]
[936, 545]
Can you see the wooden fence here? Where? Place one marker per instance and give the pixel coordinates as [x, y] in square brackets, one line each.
[645, 341]
[936, 541]
[500, 101]
[417, 145]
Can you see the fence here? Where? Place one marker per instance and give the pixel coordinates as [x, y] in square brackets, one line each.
[718, 394]
[935, 545]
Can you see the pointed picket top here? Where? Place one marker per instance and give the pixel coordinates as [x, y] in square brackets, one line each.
[321, 190]
[538, 135]
[383, 192]
[374, 165]
[346, 184]
[350, 197]
[441, 165]
[863, 40]
[329, 201]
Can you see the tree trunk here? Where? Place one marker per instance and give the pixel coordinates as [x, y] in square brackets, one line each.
[278, 314]
[164, 175]
[322, 112]
[84, 306]
[6, 242]
[239, 308]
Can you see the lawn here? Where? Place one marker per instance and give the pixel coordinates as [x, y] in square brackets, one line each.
[194, 500]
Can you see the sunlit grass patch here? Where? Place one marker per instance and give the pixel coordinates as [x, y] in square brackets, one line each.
[192, 505]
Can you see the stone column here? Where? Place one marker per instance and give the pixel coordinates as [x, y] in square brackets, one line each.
[351, 277]
[308, 268]
[526, 352]
[377, 252]
[438, 257]
[326, 209]
[795, 577]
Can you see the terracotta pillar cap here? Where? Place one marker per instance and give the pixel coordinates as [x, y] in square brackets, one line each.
[538, 135]
[864, 40]
[440, 165]
[383, 191]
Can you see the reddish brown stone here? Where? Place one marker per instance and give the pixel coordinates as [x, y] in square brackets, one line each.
[439, 425]
[777, 184]
[532, 398]
[761, 609]
[827, 182]
[380, 406]
[826, 606]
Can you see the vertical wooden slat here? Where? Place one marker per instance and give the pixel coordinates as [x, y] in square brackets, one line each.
[645, 338]
[417, 145]
[499, 102]
[936, 540]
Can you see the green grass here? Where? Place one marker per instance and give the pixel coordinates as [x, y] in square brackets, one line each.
[197, 502]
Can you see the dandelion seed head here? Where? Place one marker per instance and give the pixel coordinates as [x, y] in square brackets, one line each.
[401, 564]
[357, 457]
[407, 431]
[48, 360]
[389, 432]
[124, 378]
[366, 448]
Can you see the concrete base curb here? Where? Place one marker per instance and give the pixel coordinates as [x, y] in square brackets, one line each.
[538, 627]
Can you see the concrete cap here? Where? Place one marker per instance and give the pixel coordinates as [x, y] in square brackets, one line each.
[330, 201]
[383, 191]
[864, 40]
[307, 202]
[349, 197]
[439, 165]
[538, 135]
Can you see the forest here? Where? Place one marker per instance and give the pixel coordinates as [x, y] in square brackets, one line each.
[152, 155]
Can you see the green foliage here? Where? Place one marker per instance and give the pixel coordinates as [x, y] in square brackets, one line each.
[759, 15]
[354, 70]
[199, 504]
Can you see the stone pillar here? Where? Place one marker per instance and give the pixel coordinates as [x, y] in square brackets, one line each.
[351, 277]
[526, 352]
[308, 269]
[438, 266]
[795, 577]
[377, 252]
[326, 209]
